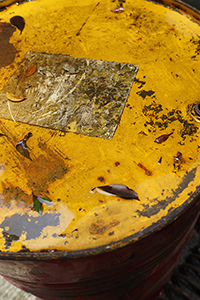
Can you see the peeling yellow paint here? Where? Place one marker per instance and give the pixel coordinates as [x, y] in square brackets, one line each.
[65, 167]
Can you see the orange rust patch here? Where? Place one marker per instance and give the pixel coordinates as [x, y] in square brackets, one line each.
[100, 227]
[45, 169]
[15, 193]
[147, 172]
[7, 50]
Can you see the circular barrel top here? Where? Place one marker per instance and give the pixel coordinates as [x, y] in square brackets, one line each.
[99, 133]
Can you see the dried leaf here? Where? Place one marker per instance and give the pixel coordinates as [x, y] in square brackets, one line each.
[161, 139]
[178, 159]
[23, 150]
[31, 70]
[119, 190]
[44, 200]
[14, 98]
[21, 146]
[18, 22]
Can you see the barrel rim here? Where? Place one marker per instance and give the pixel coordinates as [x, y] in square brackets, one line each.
[72, 254]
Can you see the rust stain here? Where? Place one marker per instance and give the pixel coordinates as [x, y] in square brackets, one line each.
[47, 168]
[7, 50]
[100, 227]
[101, 178]
[15, 193]
[147, 172]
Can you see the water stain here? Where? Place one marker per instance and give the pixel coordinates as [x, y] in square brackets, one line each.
[7, 50]
[100, 227]
[47, 168]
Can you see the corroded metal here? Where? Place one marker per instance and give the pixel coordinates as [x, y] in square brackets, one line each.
[47, 210]
[70, 94]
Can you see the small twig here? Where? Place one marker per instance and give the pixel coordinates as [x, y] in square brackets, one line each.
[79, 31]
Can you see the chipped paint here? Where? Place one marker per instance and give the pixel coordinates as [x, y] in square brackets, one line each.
[65, 166]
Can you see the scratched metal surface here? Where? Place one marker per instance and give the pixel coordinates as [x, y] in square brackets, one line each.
[80, 95]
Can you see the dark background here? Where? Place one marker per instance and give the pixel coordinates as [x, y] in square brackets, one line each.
[195, 3]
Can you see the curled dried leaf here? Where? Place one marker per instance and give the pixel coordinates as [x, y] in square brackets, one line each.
[44, 200]
[178, 159]
[162, 138]
[18, 22]
[14, 98]
[21, 146]
[119, 190]
[31, 70]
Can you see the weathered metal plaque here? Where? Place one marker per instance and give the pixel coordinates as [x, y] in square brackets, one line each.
[69, 94]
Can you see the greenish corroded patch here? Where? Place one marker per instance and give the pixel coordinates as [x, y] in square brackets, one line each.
[69, 94]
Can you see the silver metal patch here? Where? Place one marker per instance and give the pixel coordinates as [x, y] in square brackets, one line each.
[81, 95]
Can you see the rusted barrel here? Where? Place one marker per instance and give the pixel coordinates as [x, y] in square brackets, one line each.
[99, 135]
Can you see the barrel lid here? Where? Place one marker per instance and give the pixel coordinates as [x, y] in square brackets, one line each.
[99, 133]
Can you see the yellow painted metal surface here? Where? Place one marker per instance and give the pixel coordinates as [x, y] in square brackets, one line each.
[65, 167]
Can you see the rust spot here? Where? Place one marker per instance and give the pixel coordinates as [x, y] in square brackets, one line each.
[7, 50]
[147, 172]
[100, 227]
[101, 201]
[117, 163]
[101, 178]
